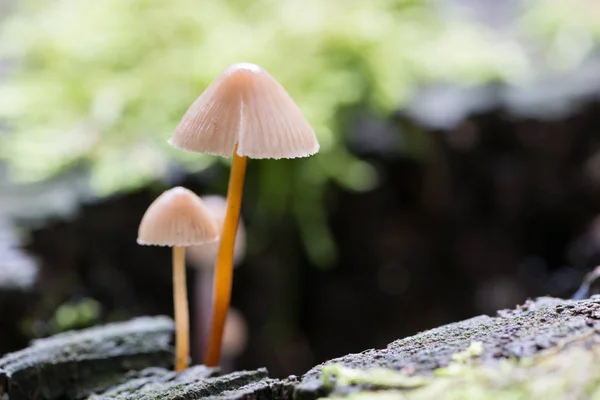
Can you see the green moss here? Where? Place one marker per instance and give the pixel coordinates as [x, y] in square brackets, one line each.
[75, 315]
[572, 373]
[376, 377]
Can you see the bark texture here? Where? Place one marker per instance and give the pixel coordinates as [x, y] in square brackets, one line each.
[75, 364]
[484, 354]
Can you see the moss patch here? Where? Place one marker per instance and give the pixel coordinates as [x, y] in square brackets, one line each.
[570, 373]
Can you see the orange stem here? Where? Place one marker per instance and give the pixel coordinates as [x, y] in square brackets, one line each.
[182, 317]
[223, 277]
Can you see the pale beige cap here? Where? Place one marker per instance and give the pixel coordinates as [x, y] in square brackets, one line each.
[247, 106]
[205, 255]
[177, 218]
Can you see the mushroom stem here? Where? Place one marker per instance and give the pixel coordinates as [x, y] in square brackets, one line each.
[203, 301]
[223, 275]
[182, 318]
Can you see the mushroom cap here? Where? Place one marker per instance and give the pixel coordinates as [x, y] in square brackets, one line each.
[177, 218]
[205, 255]
[246, 106]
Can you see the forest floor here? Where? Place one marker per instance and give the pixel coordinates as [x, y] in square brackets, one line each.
[545, 349]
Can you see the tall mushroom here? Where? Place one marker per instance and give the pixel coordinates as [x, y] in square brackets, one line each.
[244, 113]
[178, 218]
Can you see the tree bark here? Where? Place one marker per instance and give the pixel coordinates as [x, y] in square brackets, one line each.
[74, 365]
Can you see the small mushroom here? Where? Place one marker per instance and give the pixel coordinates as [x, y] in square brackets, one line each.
[205, 255]
[235, 337]
[203, 258]
[245, 112]
[178, 219]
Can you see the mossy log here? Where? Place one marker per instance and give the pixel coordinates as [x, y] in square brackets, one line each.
[547, 348]
[197, 382]
[75, 364]
[544, 327]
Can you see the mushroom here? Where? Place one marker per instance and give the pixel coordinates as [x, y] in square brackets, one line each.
[178, 219]
[244, 113]
[235, 338]
[203, 258]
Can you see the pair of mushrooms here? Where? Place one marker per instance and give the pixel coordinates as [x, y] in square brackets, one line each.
[244, 113]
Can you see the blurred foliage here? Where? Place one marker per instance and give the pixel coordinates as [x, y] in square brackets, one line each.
[570, 30]
[104, 83]
[75, 315]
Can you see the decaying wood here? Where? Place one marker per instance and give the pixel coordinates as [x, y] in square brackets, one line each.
[75, 364]
[525, 331]
[197, 382]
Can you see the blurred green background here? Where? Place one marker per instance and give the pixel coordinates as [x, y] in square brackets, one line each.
[100, 86]
[104, 83]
